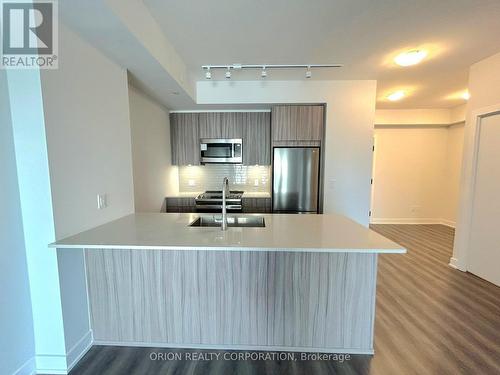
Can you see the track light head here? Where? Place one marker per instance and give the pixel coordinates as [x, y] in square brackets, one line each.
[208, 74]
[308, 72]
[228, 73]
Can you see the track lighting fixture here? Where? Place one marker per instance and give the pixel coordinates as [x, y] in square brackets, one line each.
[308, 72]
[264, 68]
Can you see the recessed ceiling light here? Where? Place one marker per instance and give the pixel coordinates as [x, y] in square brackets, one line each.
[409, 58]
[466, 95]
[395, 96]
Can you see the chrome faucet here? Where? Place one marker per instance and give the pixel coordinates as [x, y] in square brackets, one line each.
[225, 183]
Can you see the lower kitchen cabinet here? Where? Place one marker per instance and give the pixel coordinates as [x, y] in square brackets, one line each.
[256, 205]
[174, 204]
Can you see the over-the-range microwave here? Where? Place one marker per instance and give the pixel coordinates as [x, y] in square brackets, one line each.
[221, 151]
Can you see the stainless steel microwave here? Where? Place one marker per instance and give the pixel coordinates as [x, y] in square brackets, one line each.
[221, 151]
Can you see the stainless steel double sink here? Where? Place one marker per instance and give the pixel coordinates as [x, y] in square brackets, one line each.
[232, 221]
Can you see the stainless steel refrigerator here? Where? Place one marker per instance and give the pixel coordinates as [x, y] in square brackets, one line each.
[296, 179]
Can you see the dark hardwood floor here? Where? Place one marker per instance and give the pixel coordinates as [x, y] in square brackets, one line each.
[430, 319]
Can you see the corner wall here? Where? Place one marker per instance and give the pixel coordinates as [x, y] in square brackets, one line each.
[86, 113]
[17, 345]
[484, 87]
[154, 176]
[72, 143]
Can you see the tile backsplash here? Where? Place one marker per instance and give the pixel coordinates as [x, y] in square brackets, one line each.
[209, 177]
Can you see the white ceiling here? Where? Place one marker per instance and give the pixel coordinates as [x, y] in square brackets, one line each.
[362, 34]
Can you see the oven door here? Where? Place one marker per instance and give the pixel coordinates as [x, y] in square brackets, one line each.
[221, 151]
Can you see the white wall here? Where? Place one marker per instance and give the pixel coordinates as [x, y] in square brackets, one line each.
[413, 116]
[88, 134]
[417, 165]
[36, 205]
[72, 143]
[416, 174]
[17, 346]
[484, 87]
[350, 115]
[408, 174]
[86, 110]
[154, 176]
[453, 171]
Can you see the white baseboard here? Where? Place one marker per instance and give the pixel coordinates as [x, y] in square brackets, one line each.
[412, 220]
[79, 350]
[455, 263]
[54, 364]
[27, 368]
[62, 364]
[237, 347]
[448, 223]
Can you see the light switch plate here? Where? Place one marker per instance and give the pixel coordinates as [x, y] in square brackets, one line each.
[102, 201]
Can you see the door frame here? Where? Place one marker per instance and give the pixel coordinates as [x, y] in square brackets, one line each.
[374, 165]
[461, 246]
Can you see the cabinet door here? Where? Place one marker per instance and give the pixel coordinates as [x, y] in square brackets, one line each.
[233, 124]
[256, 205]
[297, 123]
[310, 123]
[257, 139]
[284, 122]
[210, 125]
[185, 138]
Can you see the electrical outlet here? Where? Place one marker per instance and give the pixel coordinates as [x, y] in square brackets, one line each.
[331, 183]
[414, 209]
[256, 182]
[102, 201]
[191, 182]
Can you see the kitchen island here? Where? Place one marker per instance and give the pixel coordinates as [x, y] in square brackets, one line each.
[301, 282]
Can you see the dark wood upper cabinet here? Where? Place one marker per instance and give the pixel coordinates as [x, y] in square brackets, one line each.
[257, 138]
[210, 124]
[254, 128]
[185, 138]
[233, 124]
[297, 123]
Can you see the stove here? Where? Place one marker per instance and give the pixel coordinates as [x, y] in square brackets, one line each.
[211, 201]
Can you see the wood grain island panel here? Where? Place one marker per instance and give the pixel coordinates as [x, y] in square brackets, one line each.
[227, 299]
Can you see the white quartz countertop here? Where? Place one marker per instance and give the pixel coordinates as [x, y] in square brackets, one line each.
[304, 233]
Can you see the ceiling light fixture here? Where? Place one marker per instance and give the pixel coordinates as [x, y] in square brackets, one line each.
[466, 95]
[265, 67]
[395, 96]
[409, 58]
[308, 72]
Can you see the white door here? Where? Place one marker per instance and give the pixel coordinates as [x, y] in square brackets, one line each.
[484, 247]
